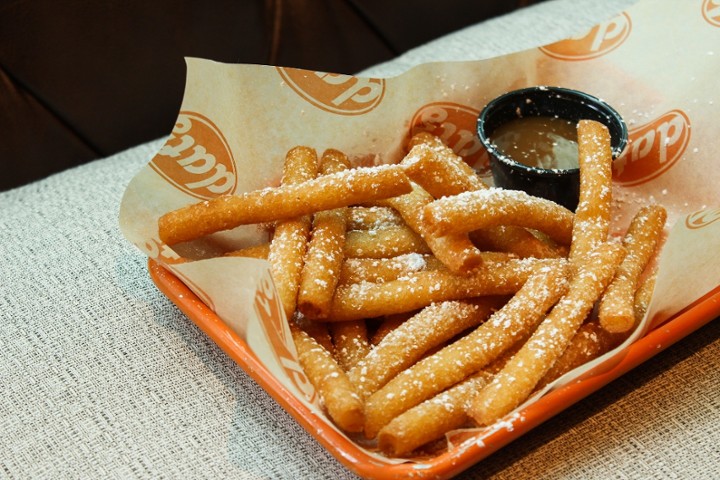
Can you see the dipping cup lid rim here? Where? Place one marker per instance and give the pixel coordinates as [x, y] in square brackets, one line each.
[605, 108]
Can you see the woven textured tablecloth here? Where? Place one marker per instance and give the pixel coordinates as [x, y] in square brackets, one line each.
[102, 377]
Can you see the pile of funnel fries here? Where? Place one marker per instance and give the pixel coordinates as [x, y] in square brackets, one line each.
[422, 301]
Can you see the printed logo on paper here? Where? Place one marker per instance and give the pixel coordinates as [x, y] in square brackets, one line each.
[653, 148]
[335, 93]
[158, 250]
[269, 309]
[702, 219]
[201, 294]
[600, 40]
[711, 12]
[456, 125]
[196, 158]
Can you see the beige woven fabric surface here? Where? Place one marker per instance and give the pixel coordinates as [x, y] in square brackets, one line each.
[102, 377]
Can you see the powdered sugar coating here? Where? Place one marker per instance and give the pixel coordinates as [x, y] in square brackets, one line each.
[494, 207]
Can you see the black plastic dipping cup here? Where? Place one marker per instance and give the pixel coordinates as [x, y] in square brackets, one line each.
[560, 185]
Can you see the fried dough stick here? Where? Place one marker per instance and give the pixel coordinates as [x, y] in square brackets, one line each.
[427, 329]
[337, 393]
[284, 202]
[420, 289]
[260, 251]
[324, 257]
[437, 168]
[384, 242]
[470, 353]
[493, 207]
[592, 215]
[518, 241]
[369, 253]
[518, 378]
[351, 342]
[617, 306]
[643, 295]
[455, 251]
[432, 418]
[372, 217]
[433, 165]
[356, 270]
[289, 241]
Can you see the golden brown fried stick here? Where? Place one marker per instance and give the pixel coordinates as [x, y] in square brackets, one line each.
[592, 215]
[351, 342]
[643, 295]
[325, 250]
[342, 189]
[383, 242]
[379, 270]
[318, 331]
[372, 217]
[456, 251]
[617, 306]
[337, 393]
[517, 241]
[433, 165]
[355, 270]
[260, 251]
[431, 419]
[289, 241]
[419, 289]
[438, 169]
[493, 207]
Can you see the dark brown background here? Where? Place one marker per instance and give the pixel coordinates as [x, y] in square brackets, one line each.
[80, 80]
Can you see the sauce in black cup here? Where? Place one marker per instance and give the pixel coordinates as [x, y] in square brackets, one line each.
[541, 164]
